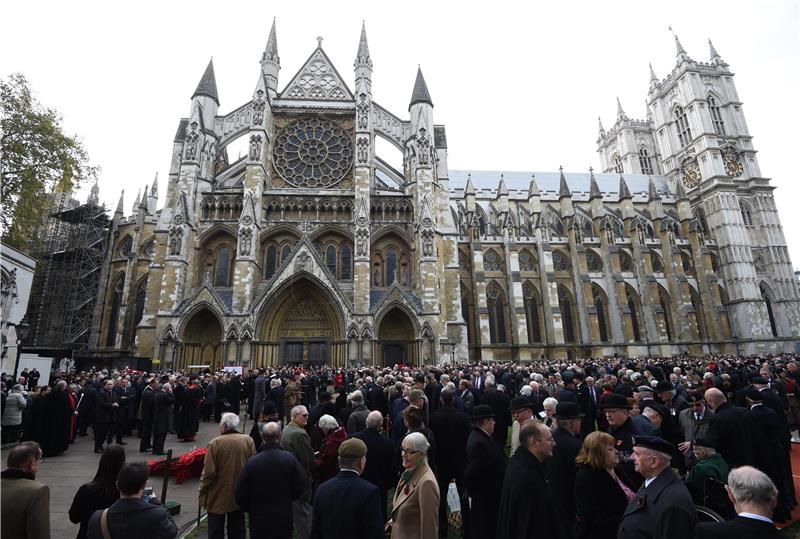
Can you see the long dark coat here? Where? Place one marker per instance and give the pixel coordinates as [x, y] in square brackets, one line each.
[189, 417]
[452, 430]
[663, 510]
[528, 506]
[735, 432]
[483, 482]
[500, 403]
[162, 412]
[561, 469]
[54, 436]
[599, 504]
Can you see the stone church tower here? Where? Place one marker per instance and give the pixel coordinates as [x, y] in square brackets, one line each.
[311, 248]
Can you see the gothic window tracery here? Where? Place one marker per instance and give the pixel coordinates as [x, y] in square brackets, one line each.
[687, 264]
[768, 304]
[495, 300]
[565, 305]
[716, 116]
[463, 261]
[125, 246]
[313, 153]
[113, 315]
[222, 267]
[492, 261]
[527, 262]
[345, 263]
[149, 248]
[601, 306]
[532, 316]
[656, 263]
[330, 259]
[138, 309]
[664, 302]
[561, 262]
[645, 161]
[618, 164]
[270, 262]
[747, 215]
[682, 126]
[633, 305]
[594, 262]
[625, 262]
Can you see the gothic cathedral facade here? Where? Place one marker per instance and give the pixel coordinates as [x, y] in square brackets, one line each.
[311, 248]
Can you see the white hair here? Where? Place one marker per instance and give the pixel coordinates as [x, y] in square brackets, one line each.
[444, 379]
[275, 382]
[550, 401]
[749, 484]
[229, 420]
[297, 410]
[356, 396]
[328, 423]
[418, 442]
[526, 391]
[374, 419]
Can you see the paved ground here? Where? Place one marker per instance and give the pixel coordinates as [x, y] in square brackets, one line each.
[65, 473]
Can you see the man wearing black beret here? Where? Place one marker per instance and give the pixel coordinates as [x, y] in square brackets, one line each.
[663, 507]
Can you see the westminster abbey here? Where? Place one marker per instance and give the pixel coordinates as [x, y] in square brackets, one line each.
[311, 248]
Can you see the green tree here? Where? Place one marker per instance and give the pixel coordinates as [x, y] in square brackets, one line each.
[36, 158]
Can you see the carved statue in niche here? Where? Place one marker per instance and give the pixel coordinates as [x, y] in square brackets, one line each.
[362, 149]
[245, 237]
[609, 234]
[758, 262]
[377, 278]
[258, 108]
[191, 142]
[255, 147]
[175, 240]
[301, 261]
[363, 111]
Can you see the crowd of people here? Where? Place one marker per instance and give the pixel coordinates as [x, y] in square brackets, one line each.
[597, 448]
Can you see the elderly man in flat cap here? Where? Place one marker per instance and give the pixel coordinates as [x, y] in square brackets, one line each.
[347, 505]
[663, 507]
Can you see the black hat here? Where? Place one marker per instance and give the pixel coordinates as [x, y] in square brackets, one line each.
[519, 403]
[754, 395]
[705, 442]
[615, 401]
[483, 411]
[664, 385]
[324, 396]
[568, 410]
[655, 443]
[759, 380]
[659, 408]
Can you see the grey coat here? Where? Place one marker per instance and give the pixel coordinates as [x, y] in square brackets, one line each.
[15, 403]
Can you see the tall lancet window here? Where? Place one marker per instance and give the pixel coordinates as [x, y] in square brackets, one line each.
[682, 125]
[716, 116]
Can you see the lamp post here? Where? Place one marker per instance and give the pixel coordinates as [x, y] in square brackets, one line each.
[453, 353]
[22, 329]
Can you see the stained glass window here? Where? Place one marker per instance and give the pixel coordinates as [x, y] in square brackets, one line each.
[313, 153]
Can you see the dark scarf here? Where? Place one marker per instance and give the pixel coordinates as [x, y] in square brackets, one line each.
[13, 473]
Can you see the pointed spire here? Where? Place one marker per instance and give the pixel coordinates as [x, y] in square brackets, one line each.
[208, 84]
[94, 194]
[600, 125]
[620, 113]
[362, 57]
[143, 204]
[502, 190]
[680, 192]
[271, 50]
[652, 192]
[678, 47]
[563, 188]
[154, 187]
[533, 189]
[624, 192]
[137, 201]
[594, 189]
[119, 204]
[420, 93]
[716, 59]
[469, 189]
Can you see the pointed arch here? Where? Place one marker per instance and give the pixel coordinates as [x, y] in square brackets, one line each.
[656, 262]
[533, 312]
[566, 304]
[114, 305]
[697, 305]
[527, 260]
[634, 306]
[139, 297]
[625, 262]
[492, 260]
[468, 313]
[496, 303]
[600, 302]
[594, 262]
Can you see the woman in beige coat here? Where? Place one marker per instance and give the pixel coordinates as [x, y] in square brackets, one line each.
[415, 510]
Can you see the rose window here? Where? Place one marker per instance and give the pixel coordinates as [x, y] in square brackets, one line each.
[313, 153]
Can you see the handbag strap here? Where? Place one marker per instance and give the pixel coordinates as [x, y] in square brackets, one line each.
[104, 524]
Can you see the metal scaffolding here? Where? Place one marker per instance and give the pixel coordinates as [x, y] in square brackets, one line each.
[75, 237]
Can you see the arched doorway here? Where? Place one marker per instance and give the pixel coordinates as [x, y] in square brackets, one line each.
[301, 325]
[396, 338]
[201, 342]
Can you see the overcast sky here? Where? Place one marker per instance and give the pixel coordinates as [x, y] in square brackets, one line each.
[518, 88]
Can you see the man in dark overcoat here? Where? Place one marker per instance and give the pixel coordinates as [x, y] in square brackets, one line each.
[381, 467]
[561, 467]
[104, 414]
[483, 475]
[451, 429]
[528, 505]
[347, 505]
[163, 402]
[733, 430]
[259, 393]
[146, 412]
[618, 414]
[86, 407]
[500, 403]
[663, 507]
[588, 399]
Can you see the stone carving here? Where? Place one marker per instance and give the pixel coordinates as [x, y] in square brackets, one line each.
[317, 80]
[492, 261]
[255, 147]
[362, 241]
[363, 111]
[302, 260]
[245, 241]
[175, 240]
[625, 263]
[313, 152]
[526, 261]
[125, 248]
[759, 263]
[149, 248]
[423, 146]
[258, 108]
[362, 150]
[191, 143]
[427, 242]
[593, 262]
[560, 261]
